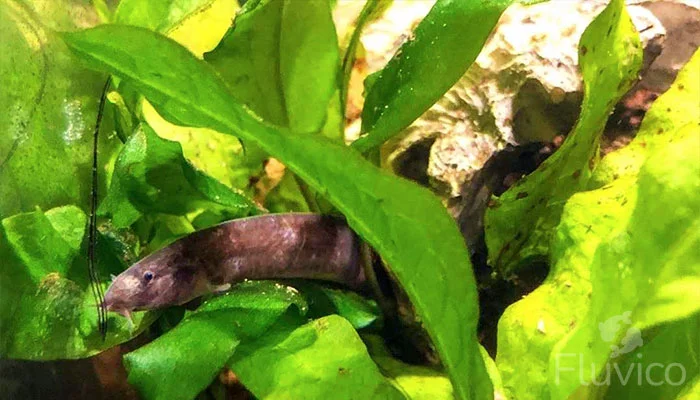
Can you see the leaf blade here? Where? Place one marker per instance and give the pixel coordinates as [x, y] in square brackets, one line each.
[426, 66]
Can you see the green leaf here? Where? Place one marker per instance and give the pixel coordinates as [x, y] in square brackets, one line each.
[152, 176]
[530, 328]
[675, 346]
[645, 277]
[46, 296]
[49, 110]
[610, 56]
[198, 25]
[390, 213]
[160, 16]
[280, 59]
[322, 359]
[414, 381]
[357, 310]
[193, 353]
[219, 155]
[426, 66]
[45, 247]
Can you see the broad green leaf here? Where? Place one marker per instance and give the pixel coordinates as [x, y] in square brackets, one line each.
[47, 310]
[691, 391]
[674, 349]
[49, 109]
[185, 360]
[152, 176]
[530, 328]
[155, 15]
[414, 381]
[281, 60]
[610, 56]
[320, 360]
[219, 155]
[645, 280]
[439, 52]
[357, 310]
[390, 213]
[160, 230]
[169, 17]
[202, 30]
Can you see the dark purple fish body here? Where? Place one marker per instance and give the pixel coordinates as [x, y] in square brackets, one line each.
[274, 246]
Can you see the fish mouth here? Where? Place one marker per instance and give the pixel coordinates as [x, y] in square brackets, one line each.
[123, 311]
[110, 305]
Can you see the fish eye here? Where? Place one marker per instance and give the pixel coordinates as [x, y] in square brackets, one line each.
[148, 276]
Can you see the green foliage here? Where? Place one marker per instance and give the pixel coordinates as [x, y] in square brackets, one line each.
[426, 66]
[391, 214]
[253, 325]
[371, 10]
[264, 58]
[414, 381]
[45, 289]
[625, 247]
[610, 57]
[621, 235]
[357, 310]
[159, 16]
[193, 353]
[319, 360]
[49, 111]
[151, 176]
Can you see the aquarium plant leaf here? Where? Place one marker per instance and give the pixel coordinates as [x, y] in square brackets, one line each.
[359, 311]
[49, 110]
[281, 60]
[439, 52]
[168, 16]
[193, 353]
[416, 382]
[152, 176]
[322, 359]
[200, 29]
[47, 310]
[531, 328]
[645, 283]
[520, 223]
[390, 213]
